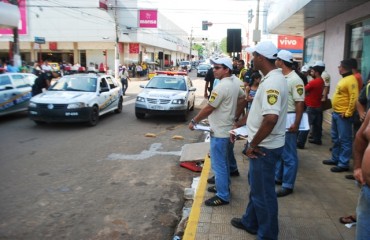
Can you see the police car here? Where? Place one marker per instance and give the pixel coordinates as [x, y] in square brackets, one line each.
[168, 93]
[15, 92]
[77, 98]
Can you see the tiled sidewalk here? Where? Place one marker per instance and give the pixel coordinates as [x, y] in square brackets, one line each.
[320, 197]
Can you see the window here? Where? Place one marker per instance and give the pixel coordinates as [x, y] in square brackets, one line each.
[359, 46]
[5, 83]
[314, 49]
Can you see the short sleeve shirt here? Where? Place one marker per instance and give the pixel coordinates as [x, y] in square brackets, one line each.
[364, 97]
[224, 98]
[271, 98]
[326, 77]
[296, 90]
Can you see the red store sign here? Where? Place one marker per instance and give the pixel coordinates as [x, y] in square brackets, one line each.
[290, 42]
[134, 47]
[148, 18]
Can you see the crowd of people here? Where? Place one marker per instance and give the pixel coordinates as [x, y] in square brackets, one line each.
[271, 97]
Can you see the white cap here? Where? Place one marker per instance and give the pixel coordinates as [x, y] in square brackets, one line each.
[304, 68]
[285, 56]
[225, 61]
[266, 49]
[319, 64]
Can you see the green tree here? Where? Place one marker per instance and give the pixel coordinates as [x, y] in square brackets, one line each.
[199, 48]
[223, 45]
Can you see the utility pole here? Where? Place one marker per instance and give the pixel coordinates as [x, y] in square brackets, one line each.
[116, 50]
[256, 32]
[191, 43]
[17, 61]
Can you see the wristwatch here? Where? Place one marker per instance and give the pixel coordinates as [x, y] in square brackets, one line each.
[193, 122]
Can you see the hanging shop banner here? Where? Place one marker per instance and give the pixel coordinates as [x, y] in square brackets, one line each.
[103, 4]
[291, 43]
[148, 18]
[53, 46]
[22, 26]
[134, 47]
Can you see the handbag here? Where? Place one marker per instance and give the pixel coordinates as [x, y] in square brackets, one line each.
[326, 105]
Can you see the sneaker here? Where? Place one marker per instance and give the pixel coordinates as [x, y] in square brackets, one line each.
[339, 169]
[211, 180]
[215, 201]
[282, 192]
[277, 182]
[212, 189]
[315, 142]
[237, 222]
[329, 162]
[235, 174]
[350, 177]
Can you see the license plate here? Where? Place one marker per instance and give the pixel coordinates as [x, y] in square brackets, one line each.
[156, 107]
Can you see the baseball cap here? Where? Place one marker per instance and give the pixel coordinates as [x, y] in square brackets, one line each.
[319, 64]
[304, 68]
[225, 61]
[285, 56]
[266, 49]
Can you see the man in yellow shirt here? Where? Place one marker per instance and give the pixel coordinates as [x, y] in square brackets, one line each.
[344, 103]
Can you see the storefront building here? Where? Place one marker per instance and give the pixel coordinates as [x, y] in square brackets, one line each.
[89, 32]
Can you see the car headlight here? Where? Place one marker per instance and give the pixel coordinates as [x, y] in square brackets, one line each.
[140, 99]
[178, 101]
[32, 104]
[76, 105]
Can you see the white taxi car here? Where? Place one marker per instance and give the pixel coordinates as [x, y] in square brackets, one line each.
[15, 92]
[166, 94]
[77, 98]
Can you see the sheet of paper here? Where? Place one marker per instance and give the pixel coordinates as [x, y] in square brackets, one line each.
[304, 126]
[202, 128]
[240, 132]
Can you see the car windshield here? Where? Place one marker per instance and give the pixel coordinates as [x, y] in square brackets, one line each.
[75, 83]
[184, 63]
[172, 83]
[203, 67]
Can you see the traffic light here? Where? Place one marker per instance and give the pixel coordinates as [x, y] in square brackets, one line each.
[250, 15]
[104, 52]
[204, 25]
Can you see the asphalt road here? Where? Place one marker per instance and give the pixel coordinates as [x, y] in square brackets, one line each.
[69, 181]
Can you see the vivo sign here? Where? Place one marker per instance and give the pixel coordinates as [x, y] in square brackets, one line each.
[290, 42]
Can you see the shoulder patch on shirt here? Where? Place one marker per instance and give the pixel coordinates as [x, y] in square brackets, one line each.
[272, 96]
[299, 89]
[213, 97]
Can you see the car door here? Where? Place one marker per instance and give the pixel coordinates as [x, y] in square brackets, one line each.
[15, 93]
[115, 91]
[191, 94]
[104, 96]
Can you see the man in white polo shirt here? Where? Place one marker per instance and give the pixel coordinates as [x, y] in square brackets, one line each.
[266, 127]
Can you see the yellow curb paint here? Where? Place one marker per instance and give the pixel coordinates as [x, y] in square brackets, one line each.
[191, 227]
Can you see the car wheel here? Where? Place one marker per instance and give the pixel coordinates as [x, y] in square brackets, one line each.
[40, 122]
[140, 115]
[119, 109]
[94, 116]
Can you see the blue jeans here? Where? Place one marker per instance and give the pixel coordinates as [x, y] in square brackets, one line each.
[232, 160]
[219, 150]
[287, 165]
[363, 214]
[341, 135]
[124, 85]
[261, 214]
[315, 118]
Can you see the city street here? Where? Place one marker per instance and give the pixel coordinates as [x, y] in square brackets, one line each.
[70, 181]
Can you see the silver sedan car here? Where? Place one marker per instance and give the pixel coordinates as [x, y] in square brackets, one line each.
[166, 95]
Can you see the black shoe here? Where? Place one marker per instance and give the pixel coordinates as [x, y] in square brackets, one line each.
[339, 169]
[329, 162]
[212, 189]
[277, 182]
[237, 222]
[350, 177]
[282, 192]
[215, 201]
[310, 137]
[211, 180]
[235, 174]
[315, 142]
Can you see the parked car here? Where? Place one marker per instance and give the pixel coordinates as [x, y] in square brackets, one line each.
[167, 94]
[202, 70]
[77, 98]
[15, 92]
[185, 65]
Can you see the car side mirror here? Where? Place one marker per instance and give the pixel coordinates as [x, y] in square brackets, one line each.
[142, 86]
[192, 89]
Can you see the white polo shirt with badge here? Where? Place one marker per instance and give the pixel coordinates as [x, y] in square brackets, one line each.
[224, 98]
[271, 98]
[296, 90]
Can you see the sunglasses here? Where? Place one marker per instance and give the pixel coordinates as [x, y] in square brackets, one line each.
[217, 67]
